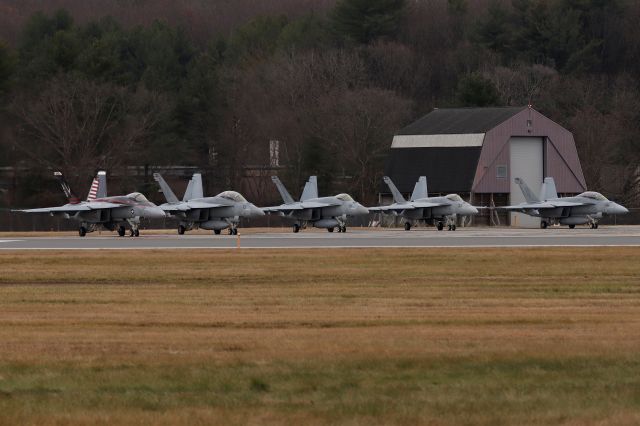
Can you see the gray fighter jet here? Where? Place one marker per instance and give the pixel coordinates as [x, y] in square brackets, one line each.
[211, 213]
[100, 210]
[321, 212]
[436, 211]
[587, 207]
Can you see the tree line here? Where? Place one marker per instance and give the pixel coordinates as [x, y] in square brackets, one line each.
[332, 84]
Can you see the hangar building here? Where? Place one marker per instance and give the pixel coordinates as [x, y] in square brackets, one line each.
[477, 153]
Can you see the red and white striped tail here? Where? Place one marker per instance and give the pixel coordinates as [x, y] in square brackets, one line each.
[93, 191]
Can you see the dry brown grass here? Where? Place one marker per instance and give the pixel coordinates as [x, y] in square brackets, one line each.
[322, 336]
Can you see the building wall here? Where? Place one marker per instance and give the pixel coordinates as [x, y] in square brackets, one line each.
[561, 162]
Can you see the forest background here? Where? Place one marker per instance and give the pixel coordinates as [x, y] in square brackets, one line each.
[152, 84]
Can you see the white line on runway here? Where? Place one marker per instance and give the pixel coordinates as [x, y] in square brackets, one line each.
[329, 247]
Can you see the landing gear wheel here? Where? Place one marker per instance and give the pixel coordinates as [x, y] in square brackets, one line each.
[234, 231]
[453, 227]
[136, 233]
[595, 225]
[440, 226]
[216, 231]
[407, 226]
[344, 228]
[544, 224]
[571, 226]
[132, 233]
[330, 229]
[296, 228]
[82, 231]
[181, 229]
[121, 231]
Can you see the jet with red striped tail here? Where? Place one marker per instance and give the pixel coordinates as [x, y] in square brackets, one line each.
[112, 213]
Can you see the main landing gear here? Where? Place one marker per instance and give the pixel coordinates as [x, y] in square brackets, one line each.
[121, 231]
[296, 228]
[82, 231]
[407, 226]
[181, 229]
[544, 224]
[451, 225]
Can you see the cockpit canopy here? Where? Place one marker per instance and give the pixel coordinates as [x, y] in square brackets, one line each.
[138, 197]
[233, 196]
[344, 197]
[453, 197]
[593, 195]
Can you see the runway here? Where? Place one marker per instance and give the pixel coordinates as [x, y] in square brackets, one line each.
[356, 238]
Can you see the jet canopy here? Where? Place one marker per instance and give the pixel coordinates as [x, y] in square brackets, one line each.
[344, 197]
[593, 195]
[138, 197]
[233, 196]
[453, 197]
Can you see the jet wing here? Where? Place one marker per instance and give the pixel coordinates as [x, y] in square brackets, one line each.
[541, 206]
[425, 205]
[560, 203]
[283, 207]
[203, 205]
[74, 208]
[317, 205]
[406, 206]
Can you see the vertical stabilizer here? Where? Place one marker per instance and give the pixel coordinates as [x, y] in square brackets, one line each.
[526, 191]
[310, 189]
[420, 190]
[397, 196]
[196, 189]
[187, 193]
[166, 189]
[286, 197]
[548, 189]
[71, 197]
[102, 184]
[98, 186]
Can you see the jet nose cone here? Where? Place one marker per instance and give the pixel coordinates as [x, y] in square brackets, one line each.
[362, 210]
[618, 209]
[257, 211]
[468, 209]
[156, 213]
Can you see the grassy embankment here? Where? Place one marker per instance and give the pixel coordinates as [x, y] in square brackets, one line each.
[321, 336]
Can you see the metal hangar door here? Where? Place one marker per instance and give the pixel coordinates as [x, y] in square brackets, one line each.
[526, 157]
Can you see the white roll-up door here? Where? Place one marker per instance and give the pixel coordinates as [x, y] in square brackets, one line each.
[527, 162]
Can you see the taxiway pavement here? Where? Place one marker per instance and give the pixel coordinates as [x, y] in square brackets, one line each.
[354, 238]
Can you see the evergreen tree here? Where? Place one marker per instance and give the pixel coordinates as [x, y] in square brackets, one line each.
[363, 21]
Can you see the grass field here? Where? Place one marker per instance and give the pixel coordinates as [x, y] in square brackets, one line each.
[358, 337]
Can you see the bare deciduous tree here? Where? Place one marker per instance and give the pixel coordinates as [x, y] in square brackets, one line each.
[78, 126]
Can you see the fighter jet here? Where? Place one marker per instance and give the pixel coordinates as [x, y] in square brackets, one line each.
[587, 207]
[421, 207]
[100, 210]
[321, 212]
[211, 213]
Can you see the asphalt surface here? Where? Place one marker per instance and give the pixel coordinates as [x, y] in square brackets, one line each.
[421, 237]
